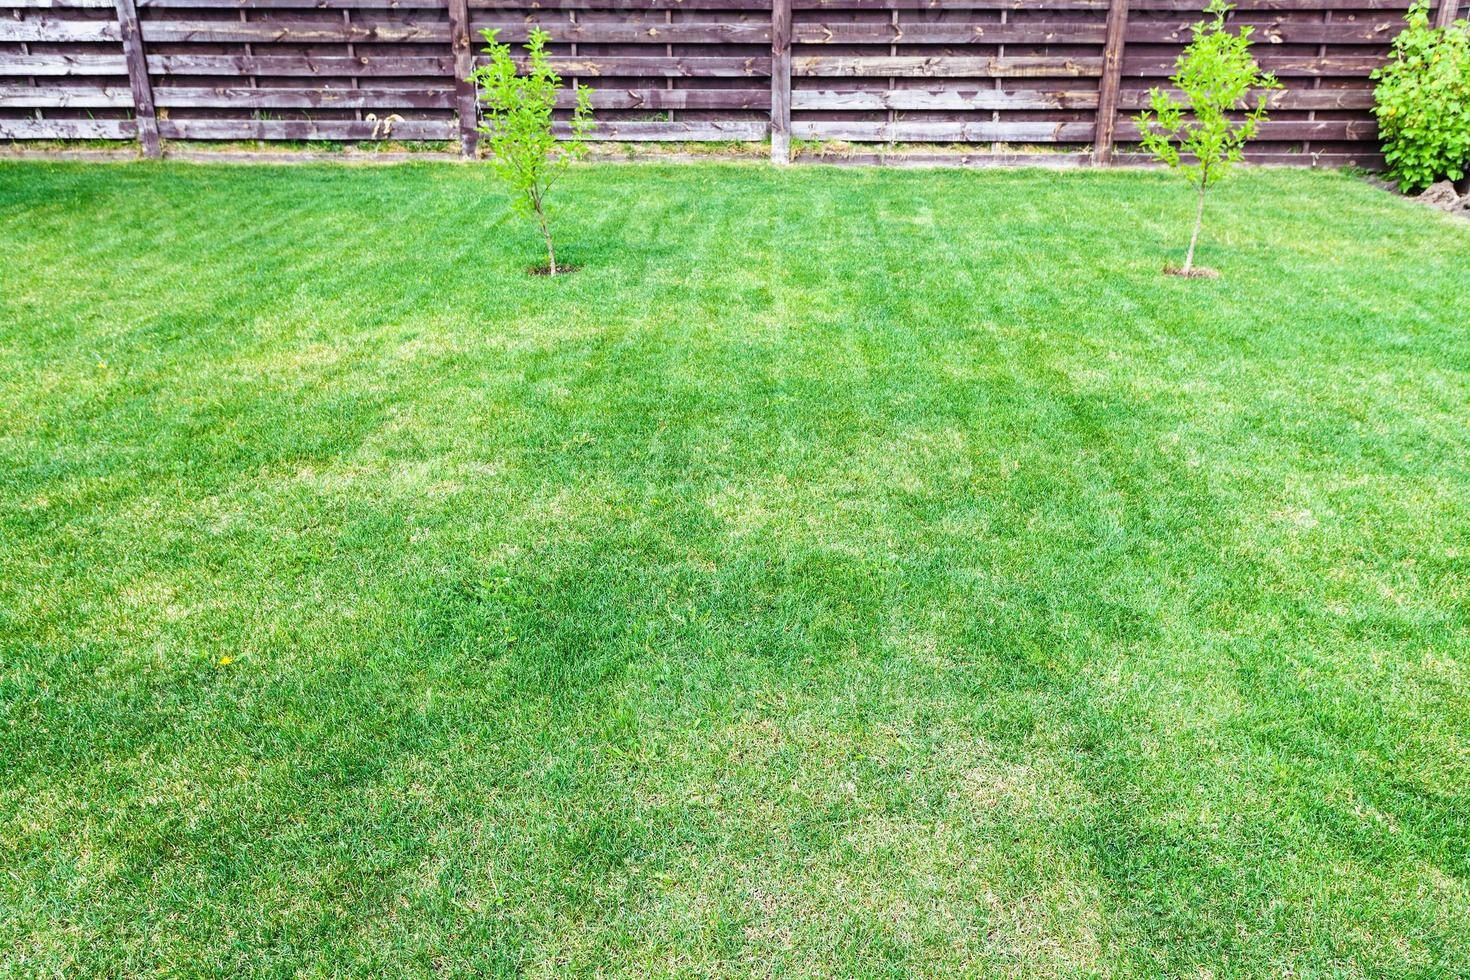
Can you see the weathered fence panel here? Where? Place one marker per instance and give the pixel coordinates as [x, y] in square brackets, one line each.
[1002, 75]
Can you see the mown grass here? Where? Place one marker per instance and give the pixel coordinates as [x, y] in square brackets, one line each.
[847, 573]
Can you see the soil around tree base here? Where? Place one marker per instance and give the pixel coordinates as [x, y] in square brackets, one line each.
[1198, 272]
[562, 269]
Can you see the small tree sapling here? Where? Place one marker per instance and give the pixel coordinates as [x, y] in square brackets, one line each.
[518, 122]
[1205, 134]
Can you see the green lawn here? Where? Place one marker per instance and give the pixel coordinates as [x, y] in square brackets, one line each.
[848, 572]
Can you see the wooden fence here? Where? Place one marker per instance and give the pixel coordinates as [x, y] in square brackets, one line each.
[1065, 75]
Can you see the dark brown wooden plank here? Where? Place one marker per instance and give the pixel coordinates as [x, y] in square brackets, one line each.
[466, 99]
[1195, 7]
[945, 132]
[378, 5]
[946, 66]
[907, 158]
[245, 98]
[1180, 6]
[304, 129]
[673, 98]
[368, 65]
[138, 79]
[498, 5]
[1188, 7]
[327, 66]
[293, 32]
[1380, 30]
[1446, 12]
[60, 65]
[908, 99]
[955, 5]
[58, 31]
[675, 132]
[68, 129]
[1016, 32]
[1367, 158]
[1112, 73]
[1267, 156]
[754, 7]
[1284, 66]
[662, 66]
[435, 32]
[65, 97]
[55, 4]
[636, 32]
[1184, 7]
[1292, 98]
[1291, 129]
[781, 30]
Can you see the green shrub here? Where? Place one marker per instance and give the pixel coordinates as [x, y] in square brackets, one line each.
[1204, 135]
[1423, 102]
[518, 122]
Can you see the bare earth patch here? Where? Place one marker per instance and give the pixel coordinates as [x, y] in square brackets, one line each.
[1198, 272]
[545, 270]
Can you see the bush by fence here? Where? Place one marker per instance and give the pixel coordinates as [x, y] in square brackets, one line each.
[1063, 74]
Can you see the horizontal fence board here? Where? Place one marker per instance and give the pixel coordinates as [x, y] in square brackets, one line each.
[293, 32]
[1376, 31]
[53, 30]
[303, 65]
[945, 132]
[391, 5]
[949, 5]
[1179, 6]
[1289, 129]
[1194, 7]
[308, 32]
[672, 98]
[675, 131]
[497, 5]
[303, 129]
[1053, 159]
[938, 99]
[662, 66]
[68, 129]
[1297, 158]
[59, 97]
[598, 32]
[945, 66]
[1021, 32]
[1284, 66]
[181, 97]
[763, 6]
[1305, 99]
[58, 65]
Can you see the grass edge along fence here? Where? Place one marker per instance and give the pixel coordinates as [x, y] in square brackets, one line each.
[1066, 76]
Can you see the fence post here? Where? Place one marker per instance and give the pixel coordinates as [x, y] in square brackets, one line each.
[780, 81]
[143, 111]
[1107, 91]
[1446, 14]
[465, 99]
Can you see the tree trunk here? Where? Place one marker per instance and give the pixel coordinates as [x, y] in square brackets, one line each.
[1199, 217]
[546, 234]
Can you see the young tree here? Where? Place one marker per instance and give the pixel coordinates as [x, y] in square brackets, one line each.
[518, 122]
[1216, 74]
